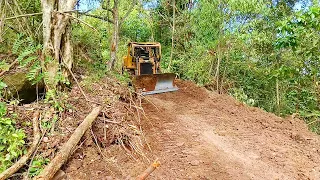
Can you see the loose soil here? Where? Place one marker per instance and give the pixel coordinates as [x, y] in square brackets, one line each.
[197, 134]
[204, 135]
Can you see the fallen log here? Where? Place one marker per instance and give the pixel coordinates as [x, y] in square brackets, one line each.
[51, 169]
[22, 161]
[149, 170]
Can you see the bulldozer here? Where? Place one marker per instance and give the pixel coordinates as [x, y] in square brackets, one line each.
[142, 62]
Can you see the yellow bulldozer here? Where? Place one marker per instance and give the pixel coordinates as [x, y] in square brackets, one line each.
[143, 63]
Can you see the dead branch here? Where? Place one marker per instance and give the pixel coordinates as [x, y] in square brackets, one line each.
[22, 161]
[105, 18]
[82, 92]
[96, 142]
[6, 55]
[113, 122]
[23, 15]
[75, 79]
[84, 55]
[79, 20]
[67, 149]
[34, 14]
[149, 170]
[34, 154]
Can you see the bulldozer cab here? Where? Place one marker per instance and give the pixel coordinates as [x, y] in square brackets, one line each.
[143, 63]
[143, 58]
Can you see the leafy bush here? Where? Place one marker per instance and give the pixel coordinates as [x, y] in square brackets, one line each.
[11, 139]
[240, 95]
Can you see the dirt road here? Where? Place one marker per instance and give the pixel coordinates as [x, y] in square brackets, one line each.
[203, 135]
[197, 134]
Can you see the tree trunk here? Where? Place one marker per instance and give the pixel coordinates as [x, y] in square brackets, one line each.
[115, 37]
[67, 52]
[52, 66]
[57, 48]
[278, 96]
[172, 33]
[218, 69]
[2, 16]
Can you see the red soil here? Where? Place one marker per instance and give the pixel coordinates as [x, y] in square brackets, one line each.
[197, 134]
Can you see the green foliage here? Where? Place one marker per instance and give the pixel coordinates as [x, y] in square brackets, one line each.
[4, 66]
[93, 44]
[57, 99]
[123, 78]
[2, 86]
[27, 51]
[264, 53]
[11, 140]
[37, 166]
[137, 27]
[268, 52]
[13, 27]
[240, 95]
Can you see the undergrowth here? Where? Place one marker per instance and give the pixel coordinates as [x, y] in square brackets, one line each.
[11, 139]
[37, 166]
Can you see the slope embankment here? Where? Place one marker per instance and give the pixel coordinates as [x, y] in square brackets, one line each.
[198, 134]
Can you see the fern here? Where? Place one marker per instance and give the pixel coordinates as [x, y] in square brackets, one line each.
[46, 77]
[27, 61]
[34, 71]
[38, 78]
[17, 44]
[24, 54]
[28, 58]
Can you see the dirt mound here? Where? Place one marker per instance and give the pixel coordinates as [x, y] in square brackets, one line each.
[187, 91]
[204, 135]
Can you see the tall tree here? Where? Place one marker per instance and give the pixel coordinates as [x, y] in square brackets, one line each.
[113, 8]
[173, 25]
[57, 47]
[117, 22]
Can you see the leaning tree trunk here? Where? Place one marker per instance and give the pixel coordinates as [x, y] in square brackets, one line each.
[115, 37]
[57, 48]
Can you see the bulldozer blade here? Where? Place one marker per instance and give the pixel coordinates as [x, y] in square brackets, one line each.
[154, 83]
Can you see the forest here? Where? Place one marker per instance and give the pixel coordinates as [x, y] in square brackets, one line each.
[60, 59]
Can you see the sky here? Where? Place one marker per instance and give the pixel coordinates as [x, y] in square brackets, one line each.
[302, 5]
[85, 5]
